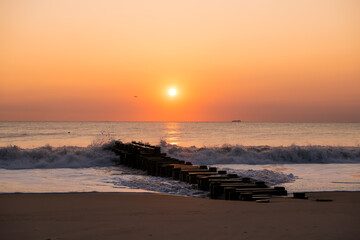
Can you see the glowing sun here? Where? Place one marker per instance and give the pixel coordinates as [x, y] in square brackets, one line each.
[172, 92]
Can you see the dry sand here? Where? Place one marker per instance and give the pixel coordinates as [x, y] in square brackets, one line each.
[157, 216]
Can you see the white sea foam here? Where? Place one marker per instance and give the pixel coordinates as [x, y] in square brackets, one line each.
[137, 179]
[237, 154]
[270, 177]
[309, 177]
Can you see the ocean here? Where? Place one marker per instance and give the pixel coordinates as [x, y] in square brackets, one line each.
[69, 157]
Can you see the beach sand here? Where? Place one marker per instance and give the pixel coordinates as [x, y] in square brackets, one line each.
[159, 216]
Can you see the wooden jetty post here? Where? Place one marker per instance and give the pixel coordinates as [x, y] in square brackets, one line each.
[220, 184]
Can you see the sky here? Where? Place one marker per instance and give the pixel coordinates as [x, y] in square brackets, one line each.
[113, 60]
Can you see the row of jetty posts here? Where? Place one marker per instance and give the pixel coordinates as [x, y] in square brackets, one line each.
[220, 184]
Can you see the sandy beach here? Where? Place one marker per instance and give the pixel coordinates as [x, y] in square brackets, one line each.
[158, 216]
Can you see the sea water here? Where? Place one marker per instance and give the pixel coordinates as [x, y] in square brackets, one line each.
[69, 156]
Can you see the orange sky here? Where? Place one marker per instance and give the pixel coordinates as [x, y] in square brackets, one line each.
[254, 60]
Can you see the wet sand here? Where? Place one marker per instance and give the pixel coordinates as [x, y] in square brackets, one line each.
[158, 216]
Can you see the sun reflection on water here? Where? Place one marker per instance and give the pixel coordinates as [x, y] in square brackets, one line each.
[172, 133]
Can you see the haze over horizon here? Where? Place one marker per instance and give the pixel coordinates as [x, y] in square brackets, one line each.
[272, 61]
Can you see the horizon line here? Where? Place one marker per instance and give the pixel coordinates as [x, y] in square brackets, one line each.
[207, 121]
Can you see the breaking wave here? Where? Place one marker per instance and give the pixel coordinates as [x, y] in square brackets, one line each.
[237, 154]
[49, 157]
[14, 157]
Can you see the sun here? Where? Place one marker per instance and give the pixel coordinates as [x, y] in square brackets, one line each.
[172, 92]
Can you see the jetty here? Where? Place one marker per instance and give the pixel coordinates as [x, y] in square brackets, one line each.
[219, 184]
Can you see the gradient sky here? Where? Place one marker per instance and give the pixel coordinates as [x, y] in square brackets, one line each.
[237, 59]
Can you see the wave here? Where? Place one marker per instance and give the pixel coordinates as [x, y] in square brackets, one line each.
[237, 154]
[14, 157]
[94, 155]
[21, 135]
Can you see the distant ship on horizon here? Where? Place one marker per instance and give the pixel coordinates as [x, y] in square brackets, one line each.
[236, 120]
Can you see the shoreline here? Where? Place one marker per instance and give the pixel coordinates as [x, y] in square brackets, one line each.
[160, 216]
[141, 191]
